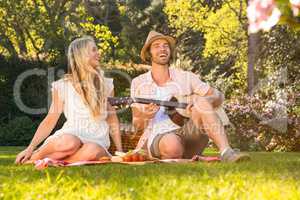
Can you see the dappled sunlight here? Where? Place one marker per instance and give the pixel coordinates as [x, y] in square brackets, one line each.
[241, 56]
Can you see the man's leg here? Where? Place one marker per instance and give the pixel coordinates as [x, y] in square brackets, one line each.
[195, 140]
[167, 146]
[204, 115]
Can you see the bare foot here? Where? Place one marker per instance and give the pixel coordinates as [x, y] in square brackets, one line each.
[28, 162]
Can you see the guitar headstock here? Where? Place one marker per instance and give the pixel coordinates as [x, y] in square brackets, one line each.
[117, 101]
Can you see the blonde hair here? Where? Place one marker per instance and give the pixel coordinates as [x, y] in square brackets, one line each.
[86, 79]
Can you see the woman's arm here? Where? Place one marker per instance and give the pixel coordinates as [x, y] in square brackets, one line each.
[114, 126]
[44, 129]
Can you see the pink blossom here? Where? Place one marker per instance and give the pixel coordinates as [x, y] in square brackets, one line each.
[262, 15]
[295, 4]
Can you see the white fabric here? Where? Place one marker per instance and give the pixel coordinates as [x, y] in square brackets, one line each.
[79, 120]
[161, 122]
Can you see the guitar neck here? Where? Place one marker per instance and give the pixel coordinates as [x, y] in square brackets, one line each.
[170, 104]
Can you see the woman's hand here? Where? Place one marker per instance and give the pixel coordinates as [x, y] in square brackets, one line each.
[24, 156]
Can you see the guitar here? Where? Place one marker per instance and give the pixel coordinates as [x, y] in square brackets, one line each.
[175, 107]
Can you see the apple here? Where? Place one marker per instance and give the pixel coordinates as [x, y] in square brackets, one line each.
[127, 158]
[141, 157]
[135, 157]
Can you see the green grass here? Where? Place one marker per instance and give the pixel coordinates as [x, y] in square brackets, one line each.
[267, 176]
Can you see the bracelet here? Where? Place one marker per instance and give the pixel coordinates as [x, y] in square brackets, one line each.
[31, 146]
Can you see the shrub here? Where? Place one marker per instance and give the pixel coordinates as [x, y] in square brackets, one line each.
[256, 125]
[18, 131]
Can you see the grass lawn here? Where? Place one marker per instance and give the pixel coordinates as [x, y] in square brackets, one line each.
[267, 176]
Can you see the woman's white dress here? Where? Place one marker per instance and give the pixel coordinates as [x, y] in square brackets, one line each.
[79, 121]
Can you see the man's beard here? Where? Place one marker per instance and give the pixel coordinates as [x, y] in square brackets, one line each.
[159, 62]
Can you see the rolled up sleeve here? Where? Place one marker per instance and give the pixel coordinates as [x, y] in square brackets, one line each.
[134, 93]
[198, 87]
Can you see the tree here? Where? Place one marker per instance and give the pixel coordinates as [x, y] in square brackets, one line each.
[138, 17]
[42, 29]
[223, 27]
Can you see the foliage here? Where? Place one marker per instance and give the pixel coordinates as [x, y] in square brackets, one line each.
[18, 131]
[290, 13]
[224, 43]
[122, 80]
[138, 18]
[264, 125]
[103, 34]
[43, 29]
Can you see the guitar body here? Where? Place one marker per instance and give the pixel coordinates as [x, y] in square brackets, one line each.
[179, 116]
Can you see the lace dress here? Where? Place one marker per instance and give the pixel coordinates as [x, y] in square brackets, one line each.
[79, 121]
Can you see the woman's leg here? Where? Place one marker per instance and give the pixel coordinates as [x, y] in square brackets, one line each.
[58, 148]
[88, 151]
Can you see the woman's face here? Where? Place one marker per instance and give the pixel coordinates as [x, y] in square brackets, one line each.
[94, 55]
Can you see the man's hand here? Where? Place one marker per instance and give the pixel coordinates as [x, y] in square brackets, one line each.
[146, 111]
[25, 155]
[188, 109]
[141, 114]
[150, 110]
[215, 97]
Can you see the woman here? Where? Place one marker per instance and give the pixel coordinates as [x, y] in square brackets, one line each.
[82, 96]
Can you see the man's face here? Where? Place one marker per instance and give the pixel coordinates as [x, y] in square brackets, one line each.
[160, 51]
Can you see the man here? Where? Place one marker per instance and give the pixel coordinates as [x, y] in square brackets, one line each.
[162, 138]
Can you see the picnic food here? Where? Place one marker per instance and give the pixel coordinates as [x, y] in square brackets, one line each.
[105, 158]
[116, 159]
[142, 157]
[131, 156]
[127, 159]
[135, 157]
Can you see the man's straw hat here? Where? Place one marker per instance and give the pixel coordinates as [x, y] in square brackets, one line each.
[152, 36]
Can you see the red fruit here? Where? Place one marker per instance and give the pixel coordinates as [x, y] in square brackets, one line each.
[135, 157]
[127, 159]
[142, 158]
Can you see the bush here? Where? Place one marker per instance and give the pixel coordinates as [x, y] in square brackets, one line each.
[122, 80]
[18, 131]
[256, 125]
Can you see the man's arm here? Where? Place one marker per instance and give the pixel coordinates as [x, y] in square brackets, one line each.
[141, 113]
[138, 121]
[215, 97]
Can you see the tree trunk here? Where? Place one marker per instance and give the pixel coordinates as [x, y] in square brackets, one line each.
[252, 52]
